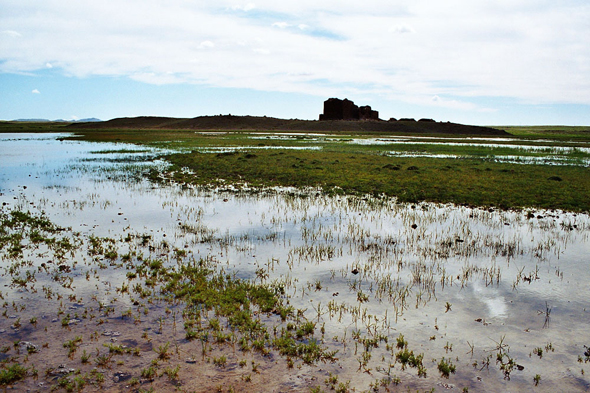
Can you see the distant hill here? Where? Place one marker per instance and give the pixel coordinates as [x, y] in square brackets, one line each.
[255, 123]
[89, 120]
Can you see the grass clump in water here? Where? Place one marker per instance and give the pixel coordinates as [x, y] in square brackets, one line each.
[12, 373]
[446, 367]
[239, 302]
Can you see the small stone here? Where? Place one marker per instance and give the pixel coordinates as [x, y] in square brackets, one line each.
[28, 346]
[120, 377]
[191, 360]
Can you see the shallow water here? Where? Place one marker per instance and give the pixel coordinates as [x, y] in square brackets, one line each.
[457, 282]
[508, 159]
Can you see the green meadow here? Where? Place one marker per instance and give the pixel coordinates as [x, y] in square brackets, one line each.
[435, 168]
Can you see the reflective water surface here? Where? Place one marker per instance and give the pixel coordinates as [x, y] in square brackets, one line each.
[502, 295]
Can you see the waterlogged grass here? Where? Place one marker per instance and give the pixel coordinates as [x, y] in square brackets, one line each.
[172, 305]
[10, 374]
[18, 228]
[217, 308]
[240, 302]
[339, 166]
[461, 181]
[283, 282]
[471, 174]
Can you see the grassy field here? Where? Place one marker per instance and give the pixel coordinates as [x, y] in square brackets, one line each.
[471, 177]
[553, 132]
[465, 181]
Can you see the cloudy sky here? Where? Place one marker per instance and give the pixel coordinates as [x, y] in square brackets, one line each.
[477, 62]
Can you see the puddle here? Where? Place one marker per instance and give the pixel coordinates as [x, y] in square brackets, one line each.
[513, 159]
[428, 140]
[231, 149]
[482, 289]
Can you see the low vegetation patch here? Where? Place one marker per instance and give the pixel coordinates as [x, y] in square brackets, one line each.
[461, 181]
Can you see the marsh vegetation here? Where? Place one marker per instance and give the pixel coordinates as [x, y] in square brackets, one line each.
[113, 281]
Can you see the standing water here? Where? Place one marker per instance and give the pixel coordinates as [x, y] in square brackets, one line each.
[416, 296]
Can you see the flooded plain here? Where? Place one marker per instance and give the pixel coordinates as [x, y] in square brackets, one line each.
[404, 296]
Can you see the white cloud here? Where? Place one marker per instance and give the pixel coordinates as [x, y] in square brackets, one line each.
[48, 65]
[11, 33]
[262, 51]
[451, 104]
[402, 29]
[35, 91]
[281, 25]
[246, 7]
[206, 44]
[533, 51]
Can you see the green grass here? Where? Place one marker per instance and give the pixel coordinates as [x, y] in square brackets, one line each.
[341, 167]
[13, 373]
[553, 132]
[461, 181]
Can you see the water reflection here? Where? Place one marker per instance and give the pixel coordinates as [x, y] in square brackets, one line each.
[360, 267]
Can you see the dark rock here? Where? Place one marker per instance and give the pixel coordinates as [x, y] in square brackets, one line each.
[555, 178]
[366, 113]
[337, 109]
[355, 271]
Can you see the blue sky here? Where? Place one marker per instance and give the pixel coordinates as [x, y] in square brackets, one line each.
[503, 62]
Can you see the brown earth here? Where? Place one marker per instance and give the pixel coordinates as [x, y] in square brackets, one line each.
[254, 123]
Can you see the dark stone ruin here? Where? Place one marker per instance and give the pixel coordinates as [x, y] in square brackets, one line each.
[337, 109]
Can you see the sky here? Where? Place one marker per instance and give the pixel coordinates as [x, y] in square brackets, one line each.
[502, 62]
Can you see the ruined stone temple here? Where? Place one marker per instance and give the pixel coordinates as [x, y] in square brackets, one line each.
[337, 109]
